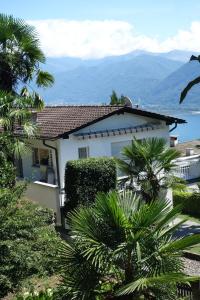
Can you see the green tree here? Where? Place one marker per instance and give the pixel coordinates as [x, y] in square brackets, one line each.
[28, 240]
[115, 100]
[20, 61]
[20, 55]
[122, 248]
[191, 83]
[18, 126]
[147, 163]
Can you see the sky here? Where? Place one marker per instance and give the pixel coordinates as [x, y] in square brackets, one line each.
[99, 28]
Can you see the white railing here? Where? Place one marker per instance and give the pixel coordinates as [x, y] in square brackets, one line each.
[187, 168]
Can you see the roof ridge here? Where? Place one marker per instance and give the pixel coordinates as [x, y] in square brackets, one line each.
[83, 105]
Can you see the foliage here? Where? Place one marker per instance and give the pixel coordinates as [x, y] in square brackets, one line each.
[42, 295]
[85, 177]
[115, 100]
[190, 202]
[147, 163]
[7, 172]
[17, 110]
[28, 241]
[20, 55]
[20, 62]
[122, 248]
[191, 83]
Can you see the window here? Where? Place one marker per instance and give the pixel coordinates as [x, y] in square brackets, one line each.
[83, 152]
[41, 157]
[117, 147]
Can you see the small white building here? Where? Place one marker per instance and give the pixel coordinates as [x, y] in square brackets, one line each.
[188, 165]
[74, 132]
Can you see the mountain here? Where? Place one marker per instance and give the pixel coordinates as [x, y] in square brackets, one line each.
[177, 55]
[91, 81]
[169, 89]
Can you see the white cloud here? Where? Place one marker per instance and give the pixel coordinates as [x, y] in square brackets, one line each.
[95, 39]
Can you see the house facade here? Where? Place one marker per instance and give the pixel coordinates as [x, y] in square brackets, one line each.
[76, 132]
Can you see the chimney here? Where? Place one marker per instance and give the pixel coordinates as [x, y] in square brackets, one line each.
[34, 117]
[189, 151]
[173, 140]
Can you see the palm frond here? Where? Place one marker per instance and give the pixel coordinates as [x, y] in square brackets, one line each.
[181, 244]
[44, 79]
[144, 283]
[188, 88]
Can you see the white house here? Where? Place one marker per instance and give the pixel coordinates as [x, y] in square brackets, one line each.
[74, 132]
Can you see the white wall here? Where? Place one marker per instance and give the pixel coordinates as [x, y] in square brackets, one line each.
[31, 172]
[98, 147]
[120, 121]
[46, 195]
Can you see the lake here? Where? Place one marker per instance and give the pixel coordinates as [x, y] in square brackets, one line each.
[190, 130]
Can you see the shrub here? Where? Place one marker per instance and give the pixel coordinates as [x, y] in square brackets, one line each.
[28, 240]
[84, 178]
[42, 295]
[190, 202]
[7, 172]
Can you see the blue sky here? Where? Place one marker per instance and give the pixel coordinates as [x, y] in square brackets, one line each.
[156, 21]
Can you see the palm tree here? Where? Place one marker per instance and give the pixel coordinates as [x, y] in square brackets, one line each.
[20, 55]
[16, 120]
[191, 83]
[20, 61]
[122, 248]
[147, 163]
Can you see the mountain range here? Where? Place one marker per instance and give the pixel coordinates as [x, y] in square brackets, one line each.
[149, 79]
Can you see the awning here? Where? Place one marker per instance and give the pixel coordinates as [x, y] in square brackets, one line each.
[118, 131]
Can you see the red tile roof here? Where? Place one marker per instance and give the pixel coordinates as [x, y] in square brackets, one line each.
[57, 121]
[54, 121]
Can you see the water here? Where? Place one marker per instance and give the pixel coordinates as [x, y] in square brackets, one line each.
[190, 130]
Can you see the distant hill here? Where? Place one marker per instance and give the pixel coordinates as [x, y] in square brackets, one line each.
[169, 89]
[150, 79]
[135, 74]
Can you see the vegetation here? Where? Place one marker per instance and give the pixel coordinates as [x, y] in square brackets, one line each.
[28, 241]
[7, 170]
[86, 177]
[17, 110]
[192, 82]
[42, 295]
[20, 55]
[190, 202]
[115, 100]
[20, 62]
[147, 163]
[123, 248]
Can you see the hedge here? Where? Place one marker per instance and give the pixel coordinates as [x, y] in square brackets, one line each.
[84, 178]
[190, 202]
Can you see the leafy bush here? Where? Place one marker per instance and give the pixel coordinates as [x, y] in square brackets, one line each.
[7, 172]
[42, 295]
[28, 240]
[84, 178]
[190, 202]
